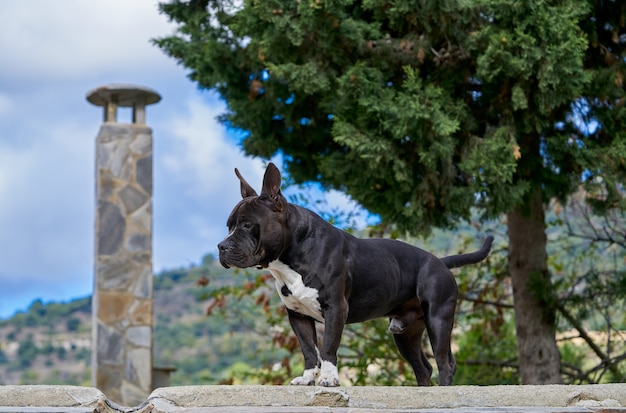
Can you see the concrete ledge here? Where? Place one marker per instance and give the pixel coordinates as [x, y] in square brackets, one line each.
[602, 398]
[397, 398]
[52, 398]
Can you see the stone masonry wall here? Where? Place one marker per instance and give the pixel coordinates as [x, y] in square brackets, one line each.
[122, 356]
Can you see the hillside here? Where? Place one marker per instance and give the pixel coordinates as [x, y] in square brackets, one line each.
[51, 343]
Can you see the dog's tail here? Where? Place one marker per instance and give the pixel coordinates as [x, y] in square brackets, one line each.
[454, 261]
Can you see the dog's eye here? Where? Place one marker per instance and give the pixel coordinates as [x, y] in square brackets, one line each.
[246, 225]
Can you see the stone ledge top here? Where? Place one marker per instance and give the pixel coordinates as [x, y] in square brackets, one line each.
[601, 398]
[124, 95]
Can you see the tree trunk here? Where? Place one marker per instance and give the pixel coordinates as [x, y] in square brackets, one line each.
[539, 357]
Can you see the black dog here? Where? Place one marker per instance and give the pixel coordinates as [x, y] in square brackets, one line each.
[327, 275]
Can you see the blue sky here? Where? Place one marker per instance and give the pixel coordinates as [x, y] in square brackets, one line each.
[51, 54]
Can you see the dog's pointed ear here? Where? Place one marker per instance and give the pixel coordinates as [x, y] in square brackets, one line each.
[246, 189]
[271, 186]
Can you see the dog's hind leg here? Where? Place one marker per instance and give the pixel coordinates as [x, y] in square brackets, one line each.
[439, 322]
[409, 344]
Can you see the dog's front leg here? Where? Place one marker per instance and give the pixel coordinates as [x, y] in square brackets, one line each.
[304, 328]
[335, 320]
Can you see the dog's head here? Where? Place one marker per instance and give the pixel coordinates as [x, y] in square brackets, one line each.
[257, 225]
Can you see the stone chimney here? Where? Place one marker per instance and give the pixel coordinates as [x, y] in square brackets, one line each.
[122, 297]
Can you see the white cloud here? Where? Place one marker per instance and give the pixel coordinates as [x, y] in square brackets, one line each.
[196, 163]
[45, 194]
[340, 201]
[48, 39]
[204, 152]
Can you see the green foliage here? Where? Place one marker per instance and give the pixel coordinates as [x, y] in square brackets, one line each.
[537, 45]
[414, 108]
[72, 324]
[369, 356]
[223, 325]
[486, 341]
[40, 314]
[26, 352]
[29, 376]
[492, 162]
[487, 351]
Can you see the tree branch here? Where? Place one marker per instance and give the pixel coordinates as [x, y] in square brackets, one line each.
[605, 360]
[485, 302]
[581, 331]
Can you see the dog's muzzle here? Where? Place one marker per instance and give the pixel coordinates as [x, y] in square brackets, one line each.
[224, 249]
[232, 254]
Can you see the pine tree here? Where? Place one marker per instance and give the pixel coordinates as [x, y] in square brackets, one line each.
[423, 110]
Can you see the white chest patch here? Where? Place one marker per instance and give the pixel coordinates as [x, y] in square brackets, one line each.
[295, 295]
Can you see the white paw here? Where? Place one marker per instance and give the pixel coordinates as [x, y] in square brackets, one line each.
[307, 378]
[329, 376]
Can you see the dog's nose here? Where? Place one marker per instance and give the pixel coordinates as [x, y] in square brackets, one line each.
[222, 246]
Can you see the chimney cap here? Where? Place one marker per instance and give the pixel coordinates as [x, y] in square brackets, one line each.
[124, 95]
